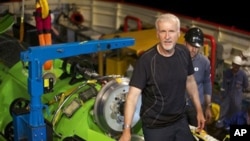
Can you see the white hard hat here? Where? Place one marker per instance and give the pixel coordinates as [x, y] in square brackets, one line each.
[237, 60]
[246, 53]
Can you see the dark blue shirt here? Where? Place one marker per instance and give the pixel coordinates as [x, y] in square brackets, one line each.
[202, 74]
[234, 84]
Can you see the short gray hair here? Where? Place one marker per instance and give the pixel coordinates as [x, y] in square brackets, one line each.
[168, 17]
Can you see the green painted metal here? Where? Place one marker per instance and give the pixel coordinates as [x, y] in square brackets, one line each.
[6, 22]
[81, 123]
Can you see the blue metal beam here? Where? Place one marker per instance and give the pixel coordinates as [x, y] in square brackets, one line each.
[36, 56]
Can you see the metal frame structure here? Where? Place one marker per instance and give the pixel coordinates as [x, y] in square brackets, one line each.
[31, 126]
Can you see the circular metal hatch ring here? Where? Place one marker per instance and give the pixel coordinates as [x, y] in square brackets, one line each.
[135, 137]
[109, 105]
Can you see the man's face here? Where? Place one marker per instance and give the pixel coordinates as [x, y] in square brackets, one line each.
[193, 50]
[168, 34]
[235, 67]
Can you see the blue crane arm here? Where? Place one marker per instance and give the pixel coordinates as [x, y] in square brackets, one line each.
[36, 56]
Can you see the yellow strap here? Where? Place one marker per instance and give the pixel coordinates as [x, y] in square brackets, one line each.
[38, 5]
[45, 8]
[226, 137]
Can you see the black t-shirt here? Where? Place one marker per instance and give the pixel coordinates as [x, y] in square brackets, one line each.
[163, 83]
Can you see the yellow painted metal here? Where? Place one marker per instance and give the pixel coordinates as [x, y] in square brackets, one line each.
[116, 65]
[144, 39]
[206, 49]
[100, 63]
[181, 39]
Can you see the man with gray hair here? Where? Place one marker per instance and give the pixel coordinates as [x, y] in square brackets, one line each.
[161, 76]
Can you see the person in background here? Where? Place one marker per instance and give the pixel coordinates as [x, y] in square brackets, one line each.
[246, 67]
[161, 76]
[234, 82]
[239, 118]
[194, 40]
[43, 25]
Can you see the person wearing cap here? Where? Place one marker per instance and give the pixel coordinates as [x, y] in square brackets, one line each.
[246, 67]
[234, 82]
[194, 40]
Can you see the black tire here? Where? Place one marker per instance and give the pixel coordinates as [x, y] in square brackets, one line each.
[9, 131]
[20, 105]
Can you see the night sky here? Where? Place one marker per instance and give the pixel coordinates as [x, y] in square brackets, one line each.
[229, 13]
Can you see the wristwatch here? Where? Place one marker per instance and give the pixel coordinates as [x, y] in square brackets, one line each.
[125, 126]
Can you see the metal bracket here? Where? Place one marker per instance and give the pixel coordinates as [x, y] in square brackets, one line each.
[36, 56]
